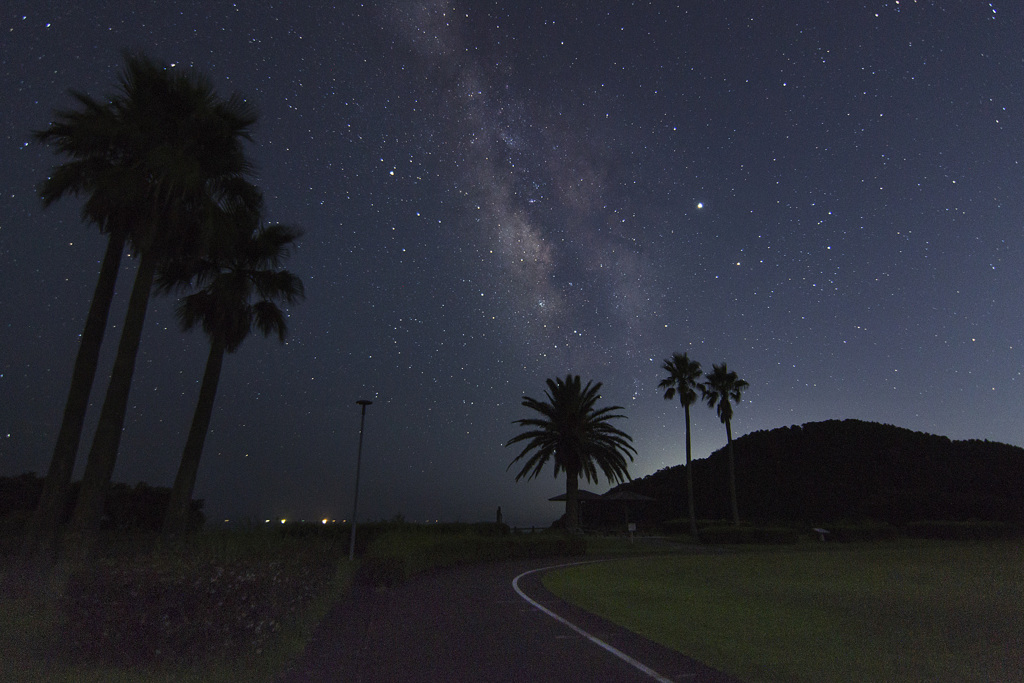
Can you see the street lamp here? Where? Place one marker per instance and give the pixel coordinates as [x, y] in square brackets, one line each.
[359, 460]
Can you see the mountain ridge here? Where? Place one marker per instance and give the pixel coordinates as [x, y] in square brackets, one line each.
[848, 470]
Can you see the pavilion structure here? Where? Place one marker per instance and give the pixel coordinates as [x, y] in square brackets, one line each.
[611, 510]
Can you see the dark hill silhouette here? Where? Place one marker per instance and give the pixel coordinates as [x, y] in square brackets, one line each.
[848, 470]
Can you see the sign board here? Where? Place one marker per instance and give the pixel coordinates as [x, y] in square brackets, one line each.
[632, 527]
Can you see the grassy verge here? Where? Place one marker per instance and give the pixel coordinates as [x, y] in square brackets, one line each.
[908, 611]
[400, 554]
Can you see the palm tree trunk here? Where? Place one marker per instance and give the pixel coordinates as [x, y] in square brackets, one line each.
[176, 519]
[85, 520]
[732, 475]
[42, 534]
[572, 501]
[689, 479]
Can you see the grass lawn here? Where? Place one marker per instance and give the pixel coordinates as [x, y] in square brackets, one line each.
[908, 611]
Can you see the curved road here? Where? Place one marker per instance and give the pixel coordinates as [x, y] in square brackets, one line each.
[470, 624]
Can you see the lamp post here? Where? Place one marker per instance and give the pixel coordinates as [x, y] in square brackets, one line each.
[359, 460]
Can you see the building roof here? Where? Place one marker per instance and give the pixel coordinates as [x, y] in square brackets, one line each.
[617, 496]
[583, 495]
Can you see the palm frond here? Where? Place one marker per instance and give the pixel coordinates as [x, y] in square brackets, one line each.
[572, 433]
[721, 389]
[232, 278]
[683, 374]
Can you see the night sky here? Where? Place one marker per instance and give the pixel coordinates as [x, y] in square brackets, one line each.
[827, 196]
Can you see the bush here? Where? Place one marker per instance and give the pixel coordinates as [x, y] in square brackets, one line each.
[849, 533]
[492, 529]
[398, 555]
[748, 534]
[162, 608]
[676, 527]
[963, 531]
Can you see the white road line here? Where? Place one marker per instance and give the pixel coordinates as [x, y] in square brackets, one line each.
[597, 641]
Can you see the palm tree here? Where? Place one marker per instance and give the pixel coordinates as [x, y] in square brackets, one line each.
[180, 145]
[576, 435]
[721, 389]
[96, 142]
[683, 374]
[225, 309]
[85, 135]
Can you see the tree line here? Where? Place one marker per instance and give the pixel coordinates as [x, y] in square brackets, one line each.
[837, 471]
[577, 437]
[139, 508]
[162, 169]
[824, 472]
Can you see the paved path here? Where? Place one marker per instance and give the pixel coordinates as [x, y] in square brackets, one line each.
[469, 624]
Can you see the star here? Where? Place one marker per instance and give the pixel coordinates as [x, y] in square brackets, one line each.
[548, 219]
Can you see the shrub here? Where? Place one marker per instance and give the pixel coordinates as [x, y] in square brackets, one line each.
[678, 526]
[748, 534]
[492, 529]
[849, 533]
[963, 531]
[222, 601]
[398, 555]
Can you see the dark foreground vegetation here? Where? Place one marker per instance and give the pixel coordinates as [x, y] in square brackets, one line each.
[219, 605]
[241, 604]
[225, 596]
[718, 533]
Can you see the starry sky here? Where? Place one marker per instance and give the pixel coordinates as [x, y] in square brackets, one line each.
[829, 196]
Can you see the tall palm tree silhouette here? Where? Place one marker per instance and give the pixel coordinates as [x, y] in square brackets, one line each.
[683, 374]
[239, 292]
[180, 148]
[721, 389]
[87, 136]
[574, 434]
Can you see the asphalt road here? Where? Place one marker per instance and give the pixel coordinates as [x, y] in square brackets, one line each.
[469, 624]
